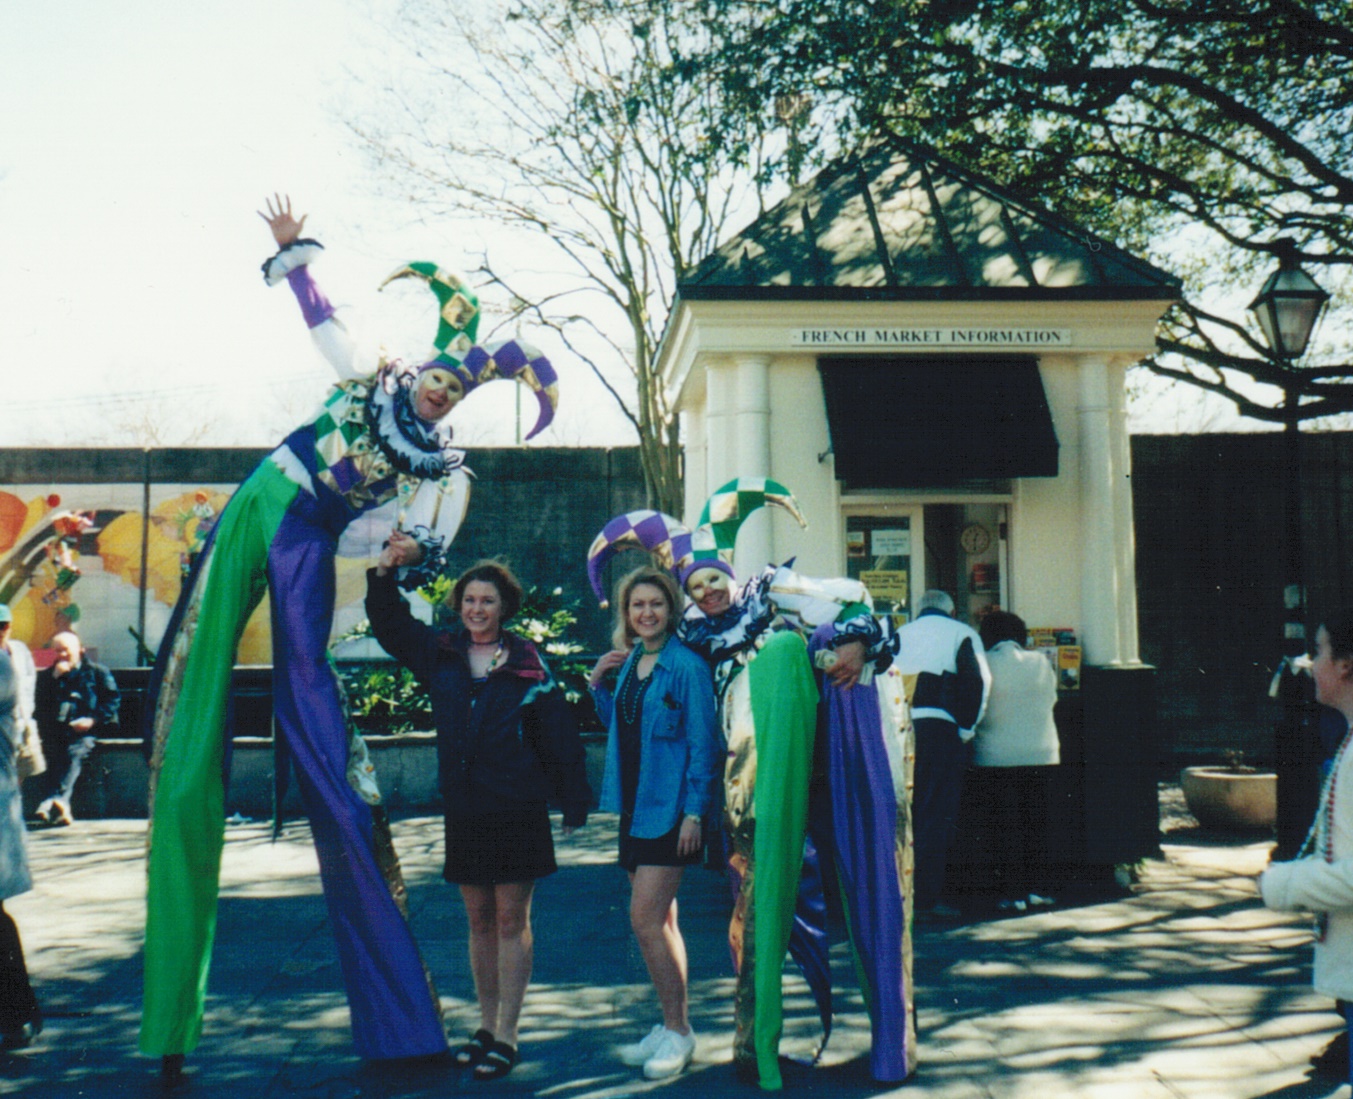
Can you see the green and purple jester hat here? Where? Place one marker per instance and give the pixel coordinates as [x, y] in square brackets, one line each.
[455, 347]
[681, 551]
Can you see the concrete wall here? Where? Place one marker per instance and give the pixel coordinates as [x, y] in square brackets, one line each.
[539, 508]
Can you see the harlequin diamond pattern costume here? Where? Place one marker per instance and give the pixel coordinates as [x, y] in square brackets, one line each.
[366, 452]
[815, 774]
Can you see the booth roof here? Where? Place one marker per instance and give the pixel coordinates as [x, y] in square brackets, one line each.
[900, 222]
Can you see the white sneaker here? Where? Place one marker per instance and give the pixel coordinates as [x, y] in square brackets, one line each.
[673, 1054]
[636, 1053]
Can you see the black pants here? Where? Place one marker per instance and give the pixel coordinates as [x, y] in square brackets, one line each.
[1004, 830]
[18, 1005]
[941, 762]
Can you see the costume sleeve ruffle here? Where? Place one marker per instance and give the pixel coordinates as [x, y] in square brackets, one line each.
[809, 602]
[290, 257]
[432, 511]
[327, 331]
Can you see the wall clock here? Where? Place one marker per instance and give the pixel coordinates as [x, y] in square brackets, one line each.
[975, 539]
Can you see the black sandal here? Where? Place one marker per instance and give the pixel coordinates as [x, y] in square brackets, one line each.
[473, 1052]
[498, 1062]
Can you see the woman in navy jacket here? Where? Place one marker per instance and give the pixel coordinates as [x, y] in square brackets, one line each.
[661, 755]
[506, 742]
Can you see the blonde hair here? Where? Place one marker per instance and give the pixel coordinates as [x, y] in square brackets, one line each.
[623, 637]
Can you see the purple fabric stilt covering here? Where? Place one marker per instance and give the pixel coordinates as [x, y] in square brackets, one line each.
[864, 835]
[315, 307]
[393, 1014]
[808, 939]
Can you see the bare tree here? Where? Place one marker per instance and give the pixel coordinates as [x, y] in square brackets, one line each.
[614, 179]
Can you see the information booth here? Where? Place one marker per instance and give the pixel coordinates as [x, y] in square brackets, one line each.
[937, 370]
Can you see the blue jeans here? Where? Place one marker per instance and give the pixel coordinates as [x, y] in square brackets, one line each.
[941, 764]
[78, 750]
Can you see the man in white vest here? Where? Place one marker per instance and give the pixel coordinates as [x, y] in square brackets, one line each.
[952, 682]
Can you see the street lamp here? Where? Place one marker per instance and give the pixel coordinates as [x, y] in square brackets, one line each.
[1288, 305]
[1287, 308]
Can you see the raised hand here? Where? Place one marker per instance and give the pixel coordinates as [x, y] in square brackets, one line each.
[401, 550]
[845, 673]
[608, 661]
[285, 228]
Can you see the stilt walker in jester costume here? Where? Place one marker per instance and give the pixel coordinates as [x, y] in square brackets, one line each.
[380, 450]
[817, 772]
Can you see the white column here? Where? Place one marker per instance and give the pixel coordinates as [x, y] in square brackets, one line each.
[1099, 555]
[1125, 539]
[719, 458]
[694, 438]
[751, 427]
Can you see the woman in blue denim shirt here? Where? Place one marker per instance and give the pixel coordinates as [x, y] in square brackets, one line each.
[661, 757]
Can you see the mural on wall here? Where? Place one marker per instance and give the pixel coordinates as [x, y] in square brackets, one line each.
[178, 528]
[40, 563]
[71, 558]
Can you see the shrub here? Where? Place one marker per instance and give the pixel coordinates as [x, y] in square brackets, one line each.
[385, 697]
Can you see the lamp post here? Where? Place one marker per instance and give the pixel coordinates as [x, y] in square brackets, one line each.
[1287, 308]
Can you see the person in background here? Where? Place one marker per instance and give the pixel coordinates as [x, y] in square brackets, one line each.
[661, 753]
[949, 661]
[1320, 879]
[20, 1018]
[26, 673]
[506, 742]
[1014, 751]
[76, 700]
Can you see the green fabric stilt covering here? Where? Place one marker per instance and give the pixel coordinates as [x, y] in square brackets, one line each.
[185, 858]
[784, 711]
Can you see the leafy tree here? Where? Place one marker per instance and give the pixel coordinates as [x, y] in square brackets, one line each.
[566, 130]
[1214, 130]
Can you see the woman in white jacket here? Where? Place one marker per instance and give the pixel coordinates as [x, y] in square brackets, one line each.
[1321, 879]
[1008, 795]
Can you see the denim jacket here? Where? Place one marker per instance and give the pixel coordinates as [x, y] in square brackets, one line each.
[679, 743]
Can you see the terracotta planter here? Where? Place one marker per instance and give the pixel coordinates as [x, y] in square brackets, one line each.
[1232, 801]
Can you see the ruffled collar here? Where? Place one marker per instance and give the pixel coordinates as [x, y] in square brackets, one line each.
[721, 636]
[412, 446]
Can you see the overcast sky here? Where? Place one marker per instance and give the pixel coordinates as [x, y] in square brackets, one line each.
[138, 140]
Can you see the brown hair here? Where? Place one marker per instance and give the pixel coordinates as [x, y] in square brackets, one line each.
[623, 638]
[1339, 626]
[1001, 626]
[489, 572]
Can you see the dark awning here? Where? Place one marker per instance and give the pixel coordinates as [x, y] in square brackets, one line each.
[919, 422]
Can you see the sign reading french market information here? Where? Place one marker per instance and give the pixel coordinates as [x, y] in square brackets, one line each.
[870, 336]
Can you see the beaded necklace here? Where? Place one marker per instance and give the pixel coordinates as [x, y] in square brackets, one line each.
[1321, 836]
[497, 657]
[629, 701]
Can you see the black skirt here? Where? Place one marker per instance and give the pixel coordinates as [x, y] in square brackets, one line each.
[635, 852]
[513, 845]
